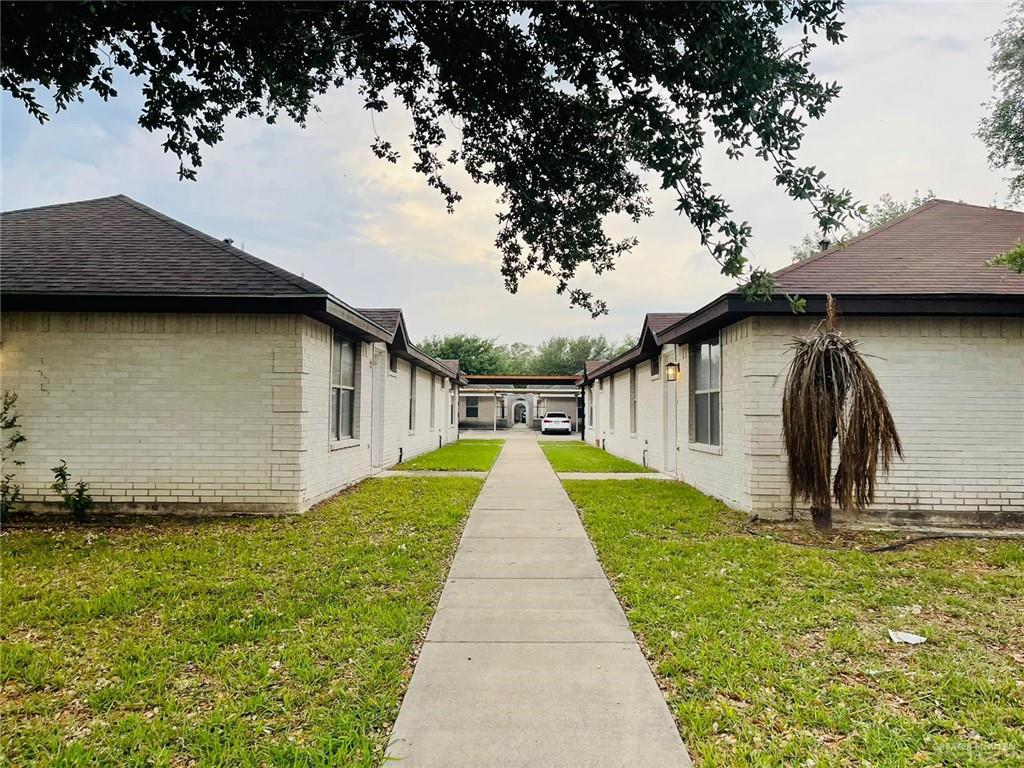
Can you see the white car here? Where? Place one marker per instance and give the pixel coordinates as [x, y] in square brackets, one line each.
[555, 421]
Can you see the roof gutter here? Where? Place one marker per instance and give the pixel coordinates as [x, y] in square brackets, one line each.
[646, 348]
[337, 312]
[732, 307]
[319, 306]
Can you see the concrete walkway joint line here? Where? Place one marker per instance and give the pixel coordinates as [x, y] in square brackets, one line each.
[430, 473]
[614, 476]
[530, 660]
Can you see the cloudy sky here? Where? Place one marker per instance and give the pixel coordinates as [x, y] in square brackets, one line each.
[317, 202]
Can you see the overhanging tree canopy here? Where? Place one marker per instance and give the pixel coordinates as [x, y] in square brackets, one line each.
[1002, 129]
[558, 105]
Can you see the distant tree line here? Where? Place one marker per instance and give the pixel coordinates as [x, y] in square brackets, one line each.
[558, 355]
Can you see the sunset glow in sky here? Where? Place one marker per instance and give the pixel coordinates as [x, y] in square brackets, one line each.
[317, 202]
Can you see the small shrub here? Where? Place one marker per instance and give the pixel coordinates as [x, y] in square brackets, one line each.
[78, 501]
[10, 491]
[10, 495]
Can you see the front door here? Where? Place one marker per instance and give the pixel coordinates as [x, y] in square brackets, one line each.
[380, 366]
[519, 413]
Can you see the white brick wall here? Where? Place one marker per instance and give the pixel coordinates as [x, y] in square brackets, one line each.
[955, 385]
[198, 413]
[158, 409]
[329, 467]
[649, 435]
[956, 389]
[722, 471]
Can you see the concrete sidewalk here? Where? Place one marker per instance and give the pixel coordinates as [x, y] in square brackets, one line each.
[529, 660]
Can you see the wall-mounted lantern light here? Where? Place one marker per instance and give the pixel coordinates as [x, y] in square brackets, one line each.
[672, 371]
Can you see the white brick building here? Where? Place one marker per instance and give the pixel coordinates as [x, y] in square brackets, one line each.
[946, 336]
[511, 401]
[176, 373]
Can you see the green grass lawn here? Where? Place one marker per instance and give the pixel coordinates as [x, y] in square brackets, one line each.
[234, 642]
[774, 654]
[581, 457]
[460, 456]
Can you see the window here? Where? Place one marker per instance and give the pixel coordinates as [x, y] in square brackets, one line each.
[393, 362]
[472, 407]
[632, 400]
[343, 387]
[412, 398]
[590, 407]
[611, 402]
[705, 381]
[453, 396]
[656, 365]
[433, 399]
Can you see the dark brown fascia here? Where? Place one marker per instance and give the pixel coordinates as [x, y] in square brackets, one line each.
[433, 365]
[401, 346]
[324, 308]
[516, 378]
[732, 307]
[646, 348]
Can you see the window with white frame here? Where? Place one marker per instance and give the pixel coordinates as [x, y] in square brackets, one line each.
[706, 385]
[343, 388]
[433, 399]
[412, 398]
[632, 400]
[590, 407]
[453, 398]
[611, 402]
[393, 362]
[472, 407]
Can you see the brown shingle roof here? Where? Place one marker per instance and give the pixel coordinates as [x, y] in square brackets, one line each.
[939, 248]
[388, 319]
[115, 253]
[659, 321]
[116, 246]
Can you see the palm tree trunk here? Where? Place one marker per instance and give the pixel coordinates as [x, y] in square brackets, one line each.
[821, 514]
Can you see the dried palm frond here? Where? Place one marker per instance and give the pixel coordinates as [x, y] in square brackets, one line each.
[832, 394]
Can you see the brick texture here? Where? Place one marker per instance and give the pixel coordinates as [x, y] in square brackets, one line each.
[198, 413]
[955, 385]
[648, 443]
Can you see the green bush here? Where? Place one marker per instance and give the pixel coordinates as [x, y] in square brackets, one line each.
[78, 501]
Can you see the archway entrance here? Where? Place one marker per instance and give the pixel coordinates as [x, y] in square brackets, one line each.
[519, 414]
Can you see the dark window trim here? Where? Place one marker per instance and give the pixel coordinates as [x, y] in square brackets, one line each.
[335, 429]
[696, 394]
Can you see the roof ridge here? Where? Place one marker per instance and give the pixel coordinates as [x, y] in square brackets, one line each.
[31, 208]
[974, 205]
[238, 253]
[862, 236]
